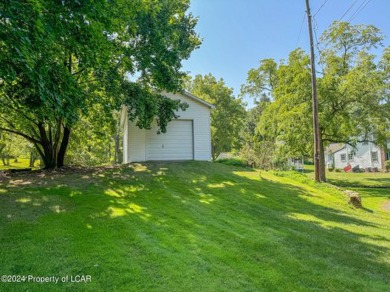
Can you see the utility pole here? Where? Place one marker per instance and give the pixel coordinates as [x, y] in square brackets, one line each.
[316, 126]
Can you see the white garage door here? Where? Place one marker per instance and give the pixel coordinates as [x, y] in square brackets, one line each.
[175, 144]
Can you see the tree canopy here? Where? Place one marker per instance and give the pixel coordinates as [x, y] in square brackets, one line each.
[61, 58]
[228, 115]
[353, 92]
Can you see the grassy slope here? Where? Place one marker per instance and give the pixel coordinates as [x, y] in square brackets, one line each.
[374, 187]
[191, 226]
[354, 180]
[21, 163]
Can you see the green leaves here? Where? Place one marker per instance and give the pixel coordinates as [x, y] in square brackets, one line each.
[347, 39]
[61, 58]
[228, 115]
[353, 92]
[144, 106]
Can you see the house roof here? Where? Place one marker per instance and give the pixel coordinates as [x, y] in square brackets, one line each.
[333, 148]
[186, 93]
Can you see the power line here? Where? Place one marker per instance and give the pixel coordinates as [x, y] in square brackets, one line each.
[315, 27]
[350, 7]
[359, 10]
[300, 30]
[320, 7]
[317, 44]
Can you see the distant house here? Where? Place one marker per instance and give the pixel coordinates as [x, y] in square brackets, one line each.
[366, 155]
[187, 138]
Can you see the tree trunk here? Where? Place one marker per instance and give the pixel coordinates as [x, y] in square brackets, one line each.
[214, 153]
[33, 157]
[46, 150]
[47, 155]
[63, 147]
[322, 161]
[32, 160]
[48, 147]
[383, 152]
[116, 153]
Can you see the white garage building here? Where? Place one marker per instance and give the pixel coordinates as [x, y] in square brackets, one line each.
[187, 138]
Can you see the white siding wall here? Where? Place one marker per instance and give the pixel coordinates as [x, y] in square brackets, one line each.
[362, 157]
[125, 137]
[136, 143]
[337, 159]
[200, 114]
[197, 112]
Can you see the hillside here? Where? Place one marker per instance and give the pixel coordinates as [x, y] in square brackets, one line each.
[192, 226]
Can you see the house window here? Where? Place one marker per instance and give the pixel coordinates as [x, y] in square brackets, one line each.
[374, 156]
[350, 156]
[343, 157]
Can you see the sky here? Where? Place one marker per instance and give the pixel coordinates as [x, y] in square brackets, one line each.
[237, 34]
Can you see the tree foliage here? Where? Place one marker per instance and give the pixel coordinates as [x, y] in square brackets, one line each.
[61, 58]
[12, 147]
[226, 118]
[352, 97]
[94, 137]
[353, 92]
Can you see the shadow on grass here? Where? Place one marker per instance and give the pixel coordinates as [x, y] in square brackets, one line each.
[379, 183]
[206, 220]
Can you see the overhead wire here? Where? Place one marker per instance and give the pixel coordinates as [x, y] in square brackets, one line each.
[303, 20]
[361, 7]
[319, 9]
[350, 7]
[315, 26]
[317, 44]
[300, 30]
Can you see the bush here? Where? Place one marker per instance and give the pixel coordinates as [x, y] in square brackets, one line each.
[261, 155]
[232, 161]
[330, 168]
[337, 170]
[387, 164]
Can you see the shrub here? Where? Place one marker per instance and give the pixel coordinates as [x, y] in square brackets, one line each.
[387, 164]
[232, 161]
[337, 170]
[262, 155]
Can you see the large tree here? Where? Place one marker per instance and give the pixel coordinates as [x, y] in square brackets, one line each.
[228, 115]
[353, 99]
[256, 150]
[60, 58]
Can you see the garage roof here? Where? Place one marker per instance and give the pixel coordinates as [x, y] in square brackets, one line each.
[186, 93]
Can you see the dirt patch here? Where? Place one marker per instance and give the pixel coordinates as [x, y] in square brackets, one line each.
[70, 175]
[53, 173]
[386, 206]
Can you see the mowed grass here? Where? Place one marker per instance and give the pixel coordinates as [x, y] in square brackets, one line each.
[190, 226]
[351, 179]
[364, 179]
[373, 187]
[20, 163]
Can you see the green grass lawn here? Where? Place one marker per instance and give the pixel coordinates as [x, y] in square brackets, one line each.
[365, 179]
[193, 226]
[351, 179]
[20, 163]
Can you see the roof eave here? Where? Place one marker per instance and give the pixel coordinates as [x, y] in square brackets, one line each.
[190, 95]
